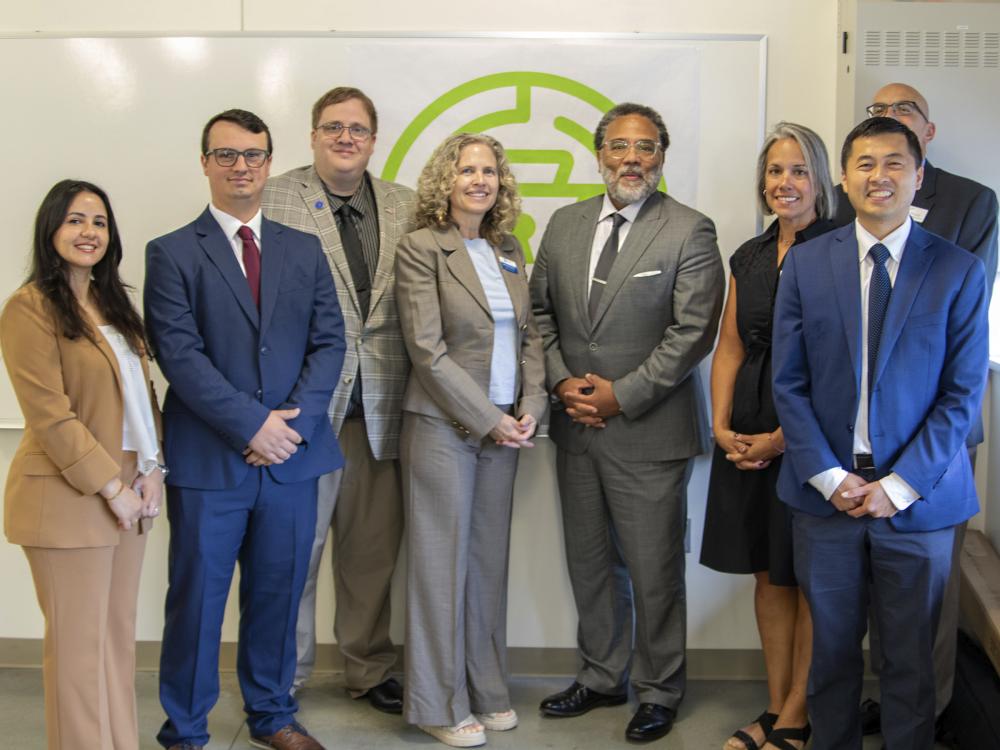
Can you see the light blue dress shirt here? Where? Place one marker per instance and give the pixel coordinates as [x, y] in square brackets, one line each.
[503, 367]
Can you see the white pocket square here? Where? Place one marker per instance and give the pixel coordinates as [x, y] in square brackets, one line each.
[647, 273]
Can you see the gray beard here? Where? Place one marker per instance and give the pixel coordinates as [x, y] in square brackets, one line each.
[628, 195]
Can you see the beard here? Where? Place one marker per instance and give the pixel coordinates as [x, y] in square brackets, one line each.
[626, 194]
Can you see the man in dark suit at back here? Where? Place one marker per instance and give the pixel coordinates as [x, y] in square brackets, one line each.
[242, 314]
[965, 213]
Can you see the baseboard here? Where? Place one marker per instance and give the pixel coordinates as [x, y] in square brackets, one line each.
[703, 664]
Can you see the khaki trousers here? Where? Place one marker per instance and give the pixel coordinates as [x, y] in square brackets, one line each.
[363, 505]
[88, 597]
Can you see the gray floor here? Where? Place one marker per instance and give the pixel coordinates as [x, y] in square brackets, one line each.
[709, 714]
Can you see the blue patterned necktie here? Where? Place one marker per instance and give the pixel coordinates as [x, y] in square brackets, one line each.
[878, 301]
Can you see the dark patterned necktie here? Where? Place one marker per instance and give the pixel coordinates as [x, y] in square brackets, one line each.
[251, 262]
[878, 301]
[355, 257]
[604, 263]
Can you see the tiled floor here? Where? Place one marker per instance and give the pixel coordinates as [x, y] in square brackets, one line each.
[709, 714]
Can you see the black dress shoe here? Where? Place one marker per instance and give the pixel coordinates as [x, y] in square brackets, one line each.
[386, 696]
[576, 700]
[871, 717]
[650, 722]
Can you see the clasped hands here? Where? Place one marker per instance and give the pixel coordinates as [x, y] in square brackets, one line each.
[857, 498]
[275, 442]
[132, 504]
[514, 433]
[750, 452]
[589, 400]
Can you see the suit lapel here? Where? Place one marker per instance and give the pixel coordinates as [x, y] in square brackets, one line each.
[216, 246]
[387, 237]
[318, 205]
[580, 242]
[460, 266]
[272, 260]
[648, 223]
[915, 264]
[109, 354]
[847, 281]
[924, 197]
[506, 252]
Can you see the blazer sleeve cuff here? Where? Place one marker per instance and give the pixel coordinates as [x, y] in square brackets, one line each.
[92, 471]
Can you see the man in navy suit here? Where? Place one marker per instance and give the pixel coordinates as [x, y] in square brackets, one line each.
[243, 318]
[880, 356]
[964, 212]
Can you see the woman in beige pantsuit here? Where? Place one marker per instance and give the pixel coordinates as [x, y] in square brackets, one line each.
[87, 472]
[475, 396]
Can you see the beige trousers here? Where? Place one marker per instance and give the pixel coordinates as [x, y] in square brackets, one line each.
[88, 597]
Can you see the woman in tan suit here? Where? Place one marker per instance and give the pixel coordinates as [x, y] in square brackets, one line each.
[474, 397]
[86, 473]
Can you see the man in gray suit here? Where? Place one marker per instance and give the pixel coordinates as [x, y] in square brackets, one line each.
[963, 212]
[358, 219]
[627, 290]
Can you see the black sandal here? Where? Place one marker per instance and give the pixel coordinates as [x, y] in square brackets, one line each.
[766, 721]
[779, 737]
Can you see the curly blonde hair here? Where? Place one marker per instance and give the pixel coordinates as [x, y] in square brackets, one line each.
[438, 178]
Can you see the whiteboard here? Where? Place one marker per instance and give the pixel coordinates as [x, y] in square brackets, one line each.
[126, 112]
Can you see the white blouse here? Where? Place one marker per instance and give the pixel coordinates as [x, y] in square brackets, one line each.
[138, 426]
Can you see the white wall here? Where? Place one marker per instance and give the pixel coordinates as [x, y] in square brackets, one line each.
[803, 55]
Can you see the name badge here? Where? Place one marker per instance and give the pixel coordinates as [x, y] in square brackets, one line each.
[508, 265]
[918, 214]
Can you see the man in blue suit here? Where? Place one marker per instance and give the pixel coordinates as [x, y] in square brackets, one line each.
[243, 318]
[880, 356]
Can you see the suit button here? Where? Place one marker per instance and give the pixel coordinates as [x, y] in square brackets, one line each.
[524, 327]
[259, 393]
[850, 428]
[593, 346]
[348, 379]
[264, 350]
[523, 362]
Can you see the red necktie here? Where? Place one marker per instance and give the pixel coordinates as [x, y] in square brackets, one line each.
[251, 262]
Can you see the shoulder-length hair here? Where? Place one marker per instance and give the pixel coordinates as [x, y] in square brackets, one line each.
[50, 275]
[817, 163]
[438, 178]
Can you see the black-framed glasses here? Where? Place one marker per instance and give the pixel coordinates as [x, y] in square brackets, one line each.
[334, 129]
[227, 157]
[618, 147]
[901, 109]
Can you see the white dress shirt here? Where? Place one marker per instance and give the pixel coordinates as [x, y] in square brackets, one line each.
[231, 225]
[138, 427]
[826, 482]
[604, 227]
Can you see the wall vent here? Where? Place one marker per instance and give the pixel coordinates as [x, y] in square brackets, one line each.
[931, 49]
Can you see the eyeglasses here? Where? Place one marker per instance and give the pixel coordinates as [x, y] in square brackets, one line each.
[619, 147]
[901, 109]
[334, 129]
[227, 157]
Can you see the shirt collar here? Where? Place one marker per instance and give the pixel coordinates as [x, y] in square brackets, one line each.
[895, 241]
[359, 201]
[629, 212]
[231, 225]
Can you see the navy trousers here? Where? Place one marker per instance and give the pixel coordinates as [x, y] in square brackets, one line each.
[844, 564]
[268, 528]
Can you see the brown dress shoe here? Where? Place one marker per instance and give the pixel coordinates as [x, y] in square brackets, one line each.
[289, 737]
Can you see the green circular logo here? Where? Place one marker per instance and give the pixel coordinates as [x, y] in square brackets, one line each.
[559, 157]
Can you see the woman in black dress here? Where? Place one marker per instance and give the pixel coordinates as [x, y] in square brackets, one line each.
[747, 529]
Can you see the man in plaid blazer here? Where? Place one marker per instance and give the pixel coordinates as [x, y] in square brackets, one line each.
[358, 219]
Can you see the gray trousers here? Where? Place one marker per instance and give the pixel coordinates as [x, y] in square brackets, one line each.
[457, 494]
[624, 527]
[362, 504]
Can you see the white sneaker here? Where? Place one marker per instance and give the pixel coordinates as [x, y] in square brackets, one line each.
[461, 735]
[499, 721]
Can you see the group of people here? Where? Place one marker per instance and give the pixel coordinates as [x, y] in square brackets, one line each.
[347, 355]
